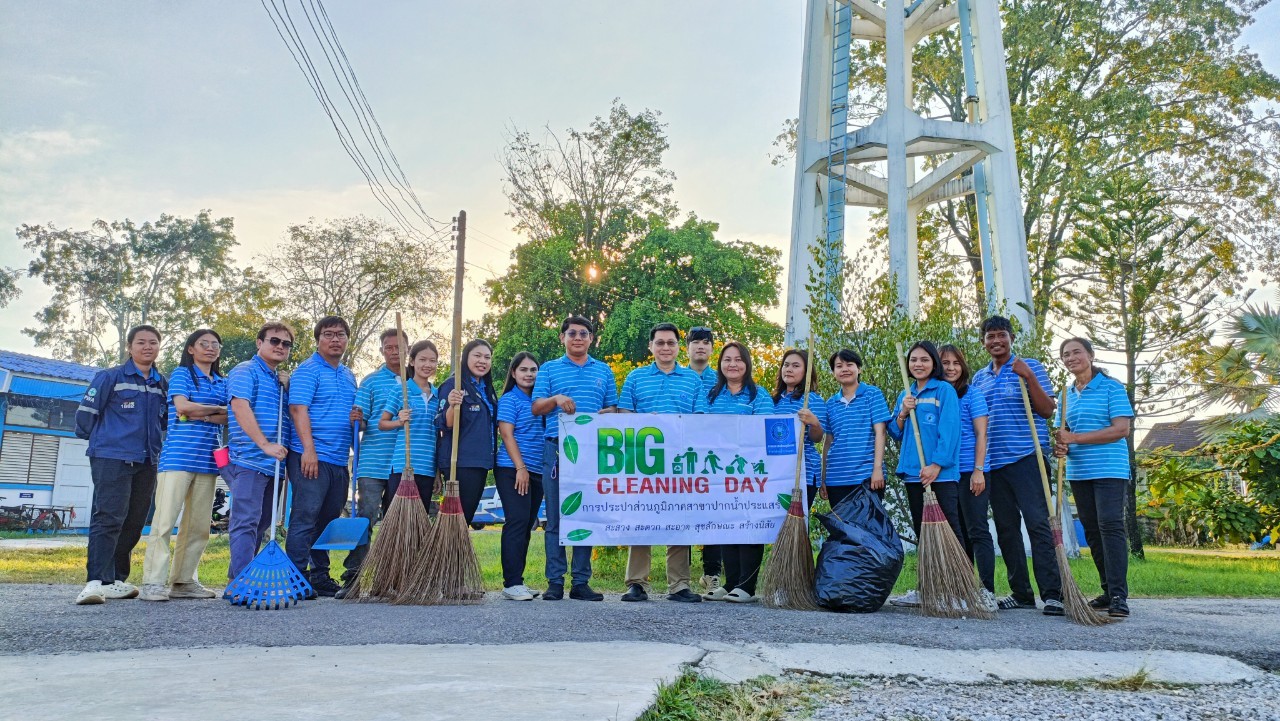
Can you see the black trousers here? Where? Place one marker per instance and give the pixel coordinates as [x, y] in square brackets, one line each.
[122, 494]
[1100, 503]
[521, 516]
[471, 482]
[742, 566]
[948, 493]
[977, 535]
[1017, 498]
[712, 560]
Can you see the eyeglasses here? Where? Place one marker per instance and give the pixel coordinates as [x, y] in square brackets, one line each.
[577, 334]
[209, 344]
[665, 343]
[280, 342]
[333, 336]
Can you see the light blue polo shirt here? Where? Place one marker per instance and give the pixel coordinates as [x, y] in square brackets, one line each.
[851, 423]
[1092, 409]
[376, 446]
[648, 390]
[973, 405]
[707, 376]
[254, 381]
[591, 386]
[1008, 434]
[788, 405]
[938, 413]
[422, 430]
[516, 407]
[189, 444]
[329, 394]
[735, 404]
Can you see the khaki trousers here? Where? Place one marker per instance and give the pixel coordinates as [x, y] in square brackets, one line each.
[190, 494]
[640, 559]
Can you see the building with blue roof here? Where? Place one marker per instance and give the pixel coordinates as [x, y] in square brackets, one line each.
[42, 463]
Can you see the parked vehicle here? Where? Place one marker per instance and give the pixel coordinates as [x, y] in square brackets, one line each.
[489, 512]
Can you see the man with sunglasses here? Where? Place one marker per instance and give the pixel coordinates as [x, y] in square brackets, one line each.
[258, 399]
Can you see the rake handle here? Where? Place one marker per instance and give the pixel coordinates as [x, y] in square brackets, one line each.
[275, 483]
[1035, 440]
[915, 423]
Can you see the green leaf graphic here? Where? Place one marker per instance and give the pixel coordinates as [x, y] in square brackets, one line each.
[578, 534]
[571, 449]
[784, 499]
[571, 504]
[582, 420]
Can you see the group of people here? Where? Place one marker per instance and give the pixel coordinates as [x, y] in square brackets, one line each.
[152, 437]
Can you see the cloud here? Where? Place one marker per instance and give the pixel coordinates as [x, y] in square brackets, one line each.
[25, 149]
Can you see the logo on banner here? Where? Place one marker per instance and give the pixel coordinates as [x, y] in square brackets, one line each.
[779, 436]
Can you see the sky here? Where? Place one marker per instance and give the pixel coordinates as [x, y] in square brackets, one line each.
[129, 110]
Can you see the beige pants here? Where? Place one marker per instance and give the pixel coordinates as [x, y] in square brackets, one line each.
[640, 559]
[192, 495]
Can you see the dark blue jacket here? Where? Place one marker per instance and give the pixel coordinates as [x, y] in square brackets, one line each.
[122, 414]
[477, 447]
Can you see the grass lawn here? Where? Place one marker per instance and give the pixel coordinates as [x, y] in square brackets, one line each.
[1164, 573]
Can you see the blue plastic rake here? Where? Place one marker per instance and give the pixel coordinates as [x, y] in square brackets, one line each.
[270, 581]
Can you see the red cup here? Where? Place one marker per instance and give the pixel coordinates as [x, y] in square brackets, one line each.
[221, 456]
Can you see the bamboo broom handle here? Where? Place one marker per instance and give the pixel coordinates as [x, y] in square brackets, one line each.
[1035, 439]
[906, 385]
[457, 418]
[804, 430]
[404, 396]
[1062, 462]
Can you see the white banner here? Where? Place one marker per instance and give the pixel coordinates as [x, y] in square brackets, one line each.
[644, 479]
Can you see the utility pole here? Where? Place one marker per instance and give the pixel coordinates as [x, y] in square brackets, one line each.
[460, 242]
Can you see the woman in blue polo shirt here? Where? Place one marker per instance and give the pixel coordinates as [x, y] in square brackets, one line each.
[519, 471]
[421, 414]
[1092, 439]
[479, 426]
[735, 393]
[856, 420]
[788, 397]
[187, 474]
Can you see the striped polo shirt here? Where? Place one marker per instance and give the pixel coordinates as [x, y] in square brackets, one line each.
[375, 445]
[851, 423]
[516, 407]
[423, 405]
[735, 404]
[254, 381]
[1008, 433]
[973, 405]
[707, 376]
[648, 389]
[789, 405]
[938, 415]
[329, 394]
[1092, 409]
[189, 444]
[590, 385]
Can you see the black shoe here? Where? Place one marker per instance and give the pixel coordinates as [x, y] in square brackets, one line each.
[583, 592]
[1053, 607]
[635, 593]
[344, 591]
[1009, 603]
[684, 595]
[1100, 603]
[1119, 608]
[325, 586]
[310, 595]
[554, 592]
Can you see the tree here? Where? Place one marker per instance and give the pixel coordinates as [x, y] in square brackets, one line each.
[117, 275]
[360, 269]
[1244, 372]
[1146, 286]
[9, 289]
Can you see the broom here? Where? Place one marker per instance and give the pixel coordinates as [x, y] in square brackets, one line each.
[948, 586]
[1073, 599]
[451, 572]
[787, 579]
[388, 570]
[270, 581]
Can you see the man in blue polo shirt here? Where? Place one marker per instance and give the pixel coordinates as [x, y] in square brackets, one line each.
[663, 386]
[856, 418]
[699, 343]
[322, 396]
[573, 383]
[376, 446]
[258, 403]
[1017, 494]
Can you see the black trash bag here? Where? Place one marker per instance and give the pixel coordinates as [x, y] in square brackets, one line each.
[862, 556]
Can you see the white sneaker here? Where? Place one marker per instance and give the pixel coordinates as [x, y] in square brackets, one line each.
[989, 602]
[910, 599]
[738, 595]
[716, 594]
[517, 593]
[153, 592]
[91, 595]
[710, 584]
[193, 589]
[119, 589]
